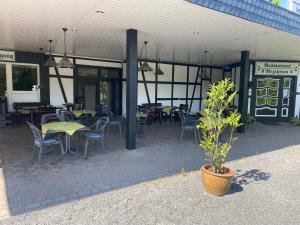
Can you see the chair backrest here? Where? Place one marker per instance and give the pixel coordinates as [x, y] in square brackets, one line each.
[35, 131]
[102, 123]
[66, 115]
[50, 117]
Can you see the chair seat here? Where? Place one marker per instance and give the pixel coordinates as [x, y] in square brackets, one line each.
[47, 141]
[92, 135]
[189, 127]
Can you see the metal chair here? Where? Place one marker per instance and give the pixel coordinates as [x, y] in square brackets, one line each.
[141, 120]
[50, 117]
[187, 125]
[43, 142]
[115, 121]
[96, 133]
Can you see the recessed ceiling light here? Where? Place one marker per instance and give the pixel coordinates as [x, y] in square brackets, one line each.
[99, 11]
[74, 30]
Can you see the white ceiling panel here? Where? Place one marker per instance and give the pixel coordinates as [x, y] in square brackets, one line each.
[175, 29]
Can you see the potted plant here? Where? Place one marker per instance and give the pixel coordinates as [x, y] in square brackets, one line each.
[217, 178]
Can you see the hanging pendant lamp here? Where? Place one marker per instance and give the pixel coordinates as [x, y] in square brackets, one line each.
[158, 71]
[65, 62]
[51, 61]
[145, 67]
[204, 75]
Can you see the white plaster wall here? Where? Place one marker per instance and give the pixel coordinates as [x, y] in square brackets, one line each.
[164, 90]
[142, 97]
[167, 69]
[98, 63]
[56, 98]
[180, 73]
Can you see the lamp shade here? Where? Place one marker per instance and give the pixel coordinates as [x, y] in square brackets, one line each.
[145, 67]
[159, 72]
[65, 63]
[50, 62]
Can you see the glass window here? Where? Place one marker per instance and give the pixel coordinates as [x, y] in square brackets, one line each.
[273, 83]
[87, 72]
[260, 101]
[110, 73]
[273, 92]
[285, 101]
[261, 92]
[261, 83]
[2, 79]
[24, 77]
[272, 101]
[286, 83]
[286, 92]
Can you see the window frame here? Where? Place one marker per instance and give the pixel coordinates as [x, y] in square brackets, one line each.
[24, 64]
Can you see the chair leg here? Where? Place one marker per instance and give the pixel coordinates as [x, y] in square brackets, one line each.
[102, 141]
[40, 153]
[33, 152]
[86, 148]
[181, 137]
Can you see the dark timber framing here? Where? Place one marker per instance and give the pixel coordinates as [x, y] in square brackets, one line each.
[189, 84]
[145, 84]
[243, 91]
[131, 88]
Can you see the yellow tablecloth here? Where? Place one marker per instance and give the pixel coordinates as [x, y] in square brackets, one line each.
[138, 115]
[78, 113]
[69, 127]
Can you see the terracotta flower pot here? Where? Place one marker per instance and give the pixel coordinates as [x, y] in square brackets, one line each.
[214, 183]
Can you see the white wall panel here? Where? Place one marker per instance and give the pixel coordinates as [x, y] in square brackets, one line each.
[142, 97]
[164, 90]
[195, 105]
[193, 74]
[56, 97]
[197, 91]
[98, 63]
[167, 69]
[165, 102]
[180, 73]
[179, 91]
[178, 102]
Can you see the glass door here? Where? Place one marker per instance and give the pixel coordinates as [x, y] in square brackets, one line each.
[274, 98]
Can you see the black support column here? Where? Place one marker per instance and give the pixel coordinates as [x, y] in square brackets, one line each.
[131, 88]
[243, 91]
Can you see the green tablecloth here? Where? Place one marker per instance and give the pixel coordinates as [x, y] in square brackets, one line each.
[78, 113]
[69, 127]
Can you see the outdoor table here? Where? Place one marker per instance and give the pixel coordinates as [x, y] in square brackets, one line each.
[78, 113]
[67, 127]
[31, 109]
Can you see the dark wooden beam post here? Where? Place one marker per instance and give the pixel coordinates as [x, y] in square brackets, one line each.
[131, 88]
[243, 91]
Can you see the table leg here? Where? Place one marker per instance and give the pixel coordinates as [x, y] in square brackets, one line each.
[31, 116]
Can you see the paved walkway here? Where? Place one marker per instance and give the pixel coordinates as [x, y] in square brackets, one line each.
[146, 187]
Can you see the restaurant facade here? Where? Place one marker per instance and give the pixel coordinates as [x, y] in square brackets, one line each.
[266, 79]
